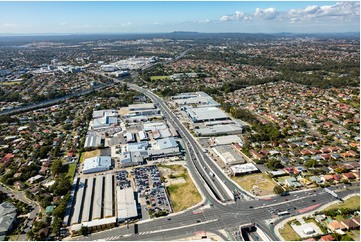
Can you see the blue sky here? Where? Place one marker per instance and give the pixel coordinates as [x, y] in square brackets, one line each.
[153, 17]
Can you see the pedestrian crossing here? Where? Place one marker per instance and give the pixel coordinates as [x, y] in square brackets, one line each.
[117, 237]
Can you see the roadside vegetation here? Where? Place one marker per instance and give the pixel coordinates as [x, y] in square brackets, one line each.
[259, 184]
[181, 195]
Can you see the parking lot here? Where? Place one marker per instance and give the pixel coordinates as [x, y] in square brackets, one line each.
[148, 184]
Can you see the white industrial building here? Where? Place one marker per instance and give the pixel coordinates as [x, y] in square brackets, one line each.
[88, 206]
[103, 122]
[244, 169]
[103, 113]
[228, 154]
[92, 140]
[143, 136]
[165, 147]
[96, 164]
[206, 114]
[141, 106]
[154, 126]
[227, 139]
[126, 204]
[197, 98]
[108, 68]
[218, 130]
[133, 158]
[139, 146]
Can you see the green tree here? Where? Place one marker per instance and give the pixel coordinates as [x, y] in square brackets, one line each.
[56, 167]
[278, 189]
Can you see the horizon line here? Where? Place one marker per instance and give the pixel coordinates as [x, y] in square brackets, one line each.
[173, 32]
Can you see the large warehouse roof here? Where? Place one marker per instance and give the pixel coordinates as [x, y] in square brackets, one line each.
[199, 98]
[141, 106]
[228, 154]
[102, 113]
[127, 207]
[97, 163]
[219, 129]
[228, 139]
[154, 126]
[92, 140]
[206, 114]
[166, 143]
[245, 168]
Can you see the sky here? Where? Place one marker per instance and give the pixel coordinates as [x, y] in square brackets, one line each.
[159, 17]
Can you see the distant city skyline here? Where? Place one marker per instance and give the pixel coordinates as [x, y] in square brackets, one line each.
[158, 17]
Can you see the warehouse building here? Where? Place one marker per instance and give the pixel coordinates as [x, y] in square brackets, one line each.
[164, 148]
[105, 113]
[94, 202]
[133, 158]
[76, 216]
[154, 126]
[87, 206]
[218, 130]
[143, 136]
[206, 114]
[247, 168]
[197, 98]
[98, 198]
[227, 139]
[138, 146]
[229, 155]
[126, 204]
[141, 106]
[92, 140]
[108, 210]
[97, 164]
[103, 122]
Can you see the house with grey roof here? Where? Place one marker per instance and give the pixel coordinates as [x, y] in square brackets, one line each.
[7, 217]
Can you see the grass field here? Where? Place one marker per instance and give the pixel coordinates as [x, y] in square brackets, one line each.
[10, 83]
[71, 170]
[352, 202]
[288, 233]
[89, 154]
[183, 195]
[260, 183]
[158, 78]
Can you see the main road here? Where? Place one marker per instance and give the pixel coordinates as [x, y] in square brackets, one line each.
[218, 212]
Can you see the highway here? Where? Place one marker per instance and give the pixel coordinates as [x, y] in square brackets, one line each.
[222, 214]
[227, 217]
[219, 211]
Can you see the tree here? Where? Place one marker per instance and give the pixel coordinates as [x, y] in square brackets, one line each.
[278, 189]
[84, 230]
[56, 167]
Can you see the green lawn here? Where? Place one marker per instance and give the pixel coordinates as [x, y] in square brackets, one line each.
[288, 233]
[10, 83]
[159, 78]
[283, 178]
[71, 170]
[352, 202]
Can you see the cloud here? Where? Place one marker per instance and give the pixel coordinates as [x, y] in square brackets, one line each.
[267, 13]
[341, 11]
[126, 24]
[8, 25]
[62, 24]
[237, 16]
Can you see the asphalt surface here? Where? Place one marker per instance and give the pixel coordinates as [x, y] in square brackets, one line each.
[216, 189]
[34, 211]
[227, 216]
